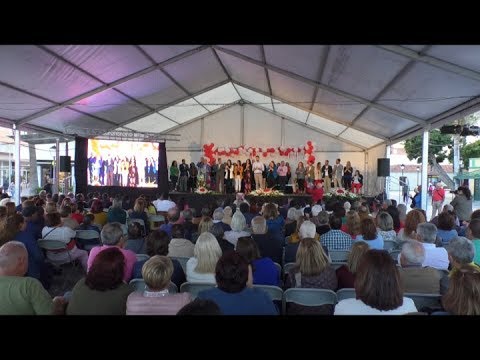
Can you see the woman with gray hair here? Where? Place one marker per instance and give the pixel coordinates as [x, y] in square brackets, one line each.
[238, 225]
[155, 299]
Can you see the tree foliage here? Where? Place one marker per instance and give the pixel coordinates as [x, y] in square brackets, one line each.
[437, 144]
[470, 151]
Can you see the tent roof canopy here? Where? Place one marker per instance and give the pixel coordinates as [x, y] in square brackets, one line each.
[365, 94]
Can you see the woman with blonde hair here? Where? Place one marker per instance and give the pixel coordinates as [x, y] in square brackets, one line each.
[363, 212]
[312, 270]
[414, 218]
[140, 213]
[353, 224]
[201, 267]
[156, 300]
[346, 273]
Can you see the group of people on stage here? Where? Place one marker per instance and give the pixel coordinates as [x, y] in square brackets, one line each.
[122, 171]
[237, 176]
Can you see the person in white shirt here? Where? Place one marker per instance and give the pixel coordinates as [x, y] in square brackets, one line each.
[337, 174]
[435, 257]
[378, 288]
[238, 224]
[163, 203]
[201, 267]
[258, 168]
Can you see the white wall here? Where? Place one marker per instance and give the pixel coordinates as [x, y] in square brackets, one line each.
[373, 184]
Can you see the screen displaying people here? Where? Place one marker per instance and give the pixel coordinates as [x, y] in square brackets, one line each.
[122, 163]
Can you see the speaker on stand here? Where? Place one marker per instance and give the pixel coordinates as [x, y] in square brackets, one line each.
[383, 170]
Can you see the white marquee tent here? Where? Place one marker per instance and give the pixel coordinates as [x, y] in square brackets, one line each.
[353, 101]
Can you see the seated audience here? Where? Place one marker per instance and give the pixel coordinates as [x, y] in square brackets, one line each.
[234, 294]
[323, 221]
[156, 300]
[189, 227]
[312, 270]
[139, 212]
[369, 235]
[461, 251]
[200, 307]
[353, 224]
[264, 270]
[336, 239]
[270, 245]
[102, 291]
[20, 294]
[414, 218]
[473, 233]
[54, 230]
[435, 257]
[275, 222]
[180, 246]
[415, 277]
[100, 217]
[112, 236]
[385, 226]
[116, 212]
[378, 288]
[157, 243]
[462, 297]
[201, 267]
[346, 273]
[217, 231]
[238, 225]
[446, 227]
[66, 213]
[135, 242]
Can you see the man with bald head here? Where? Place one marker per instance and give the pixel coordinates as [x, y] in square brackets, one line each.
[21, 295]
[416, 278]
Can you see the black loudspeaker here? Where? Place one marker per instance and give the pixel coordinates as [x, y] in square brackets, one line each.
[288, 189]
[383, 167]
[65, 164]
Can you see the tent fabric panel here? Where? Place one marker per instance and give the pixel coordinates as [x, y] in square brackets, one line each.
[15, 105]
[106, 62]
[153, 89]
[32, 69]
[304, 60]
[197, 72]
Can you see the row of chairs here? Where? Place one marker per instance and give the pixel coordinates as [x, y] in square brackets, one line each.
[300, 296]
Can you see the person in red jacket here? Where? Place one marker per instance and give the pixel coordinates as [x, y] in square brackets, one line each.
[316, 192]
[438, 196]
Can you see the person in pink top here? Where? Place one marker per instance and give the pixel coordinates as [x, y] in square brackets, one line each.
[112, 235]
[438, 197]
[282, 171]
[156, 300]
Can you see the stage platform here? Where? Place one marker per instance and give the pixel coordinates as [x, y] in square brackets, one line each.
[198, 201]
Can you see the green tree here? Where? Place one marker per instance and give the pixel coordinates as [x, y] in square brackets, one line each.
[470, 151]
[437, 143]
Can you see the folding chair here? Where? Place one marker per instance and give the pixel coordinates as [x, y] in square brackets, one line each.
[139, 285]
[88, 239]
[390, 245]
[308, 297]
[195, 288]
[142, 257]
[156, 221]
[346, 293]
[337, 256]
[182, 261]
[421, 301]
[276, 294]
[55, 245]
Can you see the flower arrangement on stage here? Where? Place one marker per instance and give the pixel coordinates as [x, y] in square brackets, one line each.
[342, 195]
[202, 190]
[201, 186]
[266, 192]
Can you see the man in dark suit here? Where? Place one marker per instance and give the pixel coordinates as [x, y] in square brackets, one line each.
[327, 176]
